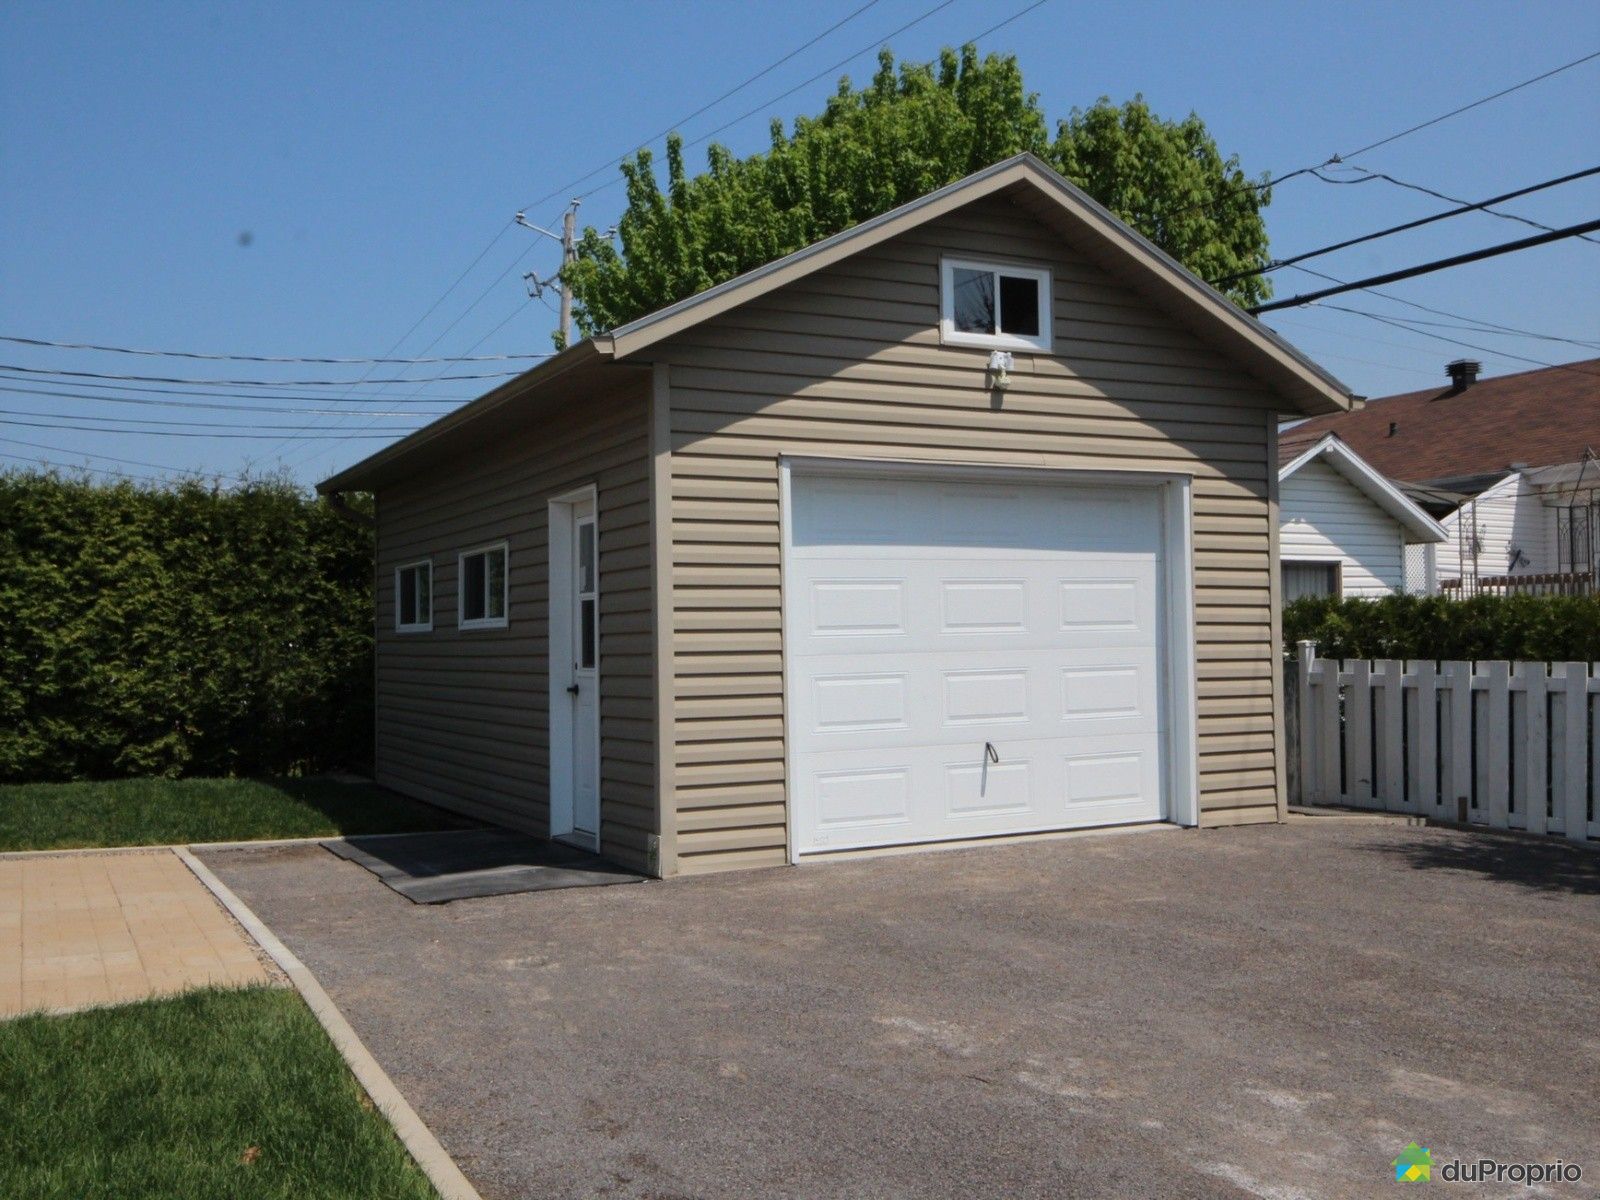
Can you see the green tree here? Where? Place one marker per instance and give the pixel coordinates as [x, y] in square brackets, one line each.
[914, 128]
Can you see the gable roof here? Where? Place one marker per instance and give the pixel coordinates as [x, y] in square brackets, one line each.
[1537, 418]
[1419, 526]
[1091, 229]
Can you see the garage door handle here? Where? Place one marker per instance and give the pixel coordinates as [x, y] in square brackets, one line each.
[988, 748]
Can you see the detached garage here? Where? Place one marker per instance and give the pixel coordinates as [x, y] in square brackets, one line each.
[960, 524]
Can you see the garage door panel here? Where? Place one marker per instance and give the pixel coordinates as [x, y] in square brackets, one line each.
[971, 607]
[985, 789]
[910, 606]
[855, 514]
[841, 703]
[855, 607]
[986, 696]
[870, 798]
[970, 660]
[858, 702]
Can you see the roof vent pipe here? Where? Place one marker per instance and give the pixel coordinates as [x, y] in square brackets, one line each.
[1463, 373]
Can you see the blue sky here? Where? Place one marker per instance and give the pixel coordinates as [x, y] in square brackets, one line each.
[307, 179]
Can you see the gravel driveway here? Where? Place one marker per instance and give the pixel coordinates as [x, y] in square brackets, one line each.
[1272, 1011]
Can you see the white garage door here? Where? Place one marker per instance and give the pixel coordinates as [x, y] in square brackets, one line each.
[968, 659]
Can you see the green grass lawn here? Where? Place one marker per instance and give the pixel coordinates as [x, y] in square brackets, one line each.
[143, 812]
[215, 1093]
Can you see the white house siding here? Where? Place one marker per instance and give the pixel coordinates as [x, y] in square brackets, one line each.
[1508, 517]
[1324, 518]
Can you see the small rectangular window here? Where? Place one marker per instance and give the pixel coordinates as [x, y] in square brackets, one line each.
[993, 304]
[586, 634]
[413, 597]
[1301, 579]
[588, 600]
[483, 588]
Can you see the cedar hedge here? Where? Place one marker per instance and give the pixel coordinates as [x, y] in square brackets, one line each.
[180, 629]
[1515, 628]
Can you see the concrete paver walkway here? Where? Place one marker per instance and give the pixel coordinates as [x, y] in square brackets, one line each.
[85, 929]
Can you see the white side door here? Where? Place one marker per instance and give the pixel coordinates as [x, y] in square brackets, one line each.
[584, 690]
[574, 669]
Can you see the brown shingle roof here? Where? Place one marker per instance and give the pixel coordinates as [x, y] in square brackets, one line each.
[1537, 417]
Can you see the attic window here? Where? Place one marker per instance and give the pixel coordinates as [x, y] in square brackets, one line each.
[994, 305]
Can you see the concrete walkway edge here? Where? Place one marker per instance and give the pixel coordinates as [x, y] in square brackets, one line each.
[208, 847]
[418, 1139]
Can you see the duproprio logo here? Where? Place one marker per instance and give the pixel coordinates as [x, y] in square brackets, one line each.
[1414, 1165]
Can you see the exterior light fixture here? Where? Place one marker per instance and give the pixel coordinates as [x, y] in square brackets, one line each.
[1001, 364]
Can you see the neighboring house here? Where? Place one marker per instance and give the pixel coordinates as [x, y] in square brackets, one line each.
[1343, 529]
[957, 524]
[1506, 465]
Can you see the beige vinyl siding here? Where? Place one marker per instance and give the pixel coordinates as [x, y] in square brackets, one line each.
[848, 362]
[462, 716]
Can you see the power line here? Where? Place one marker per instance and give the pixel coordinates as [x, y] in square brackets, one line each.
[140, 389]
[171, 432]
[12, 412]
[126, 476]
[1538, 362]
[1337, 159]
[1374, 176]
[248, 382]
[415, 325]
[767, 70]
[259, 358]
[846, 61]
[1440, 312]
[826, 71]
[1455, 112]
[704, 108]
[412, 397]
[1428, 268]
[1501, 332]
[127, 462]
[498, 279]
[207, 404]
[1465, 207]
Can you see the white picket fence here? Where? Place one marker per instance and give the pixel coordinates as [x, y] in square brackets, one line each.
[1507, 745]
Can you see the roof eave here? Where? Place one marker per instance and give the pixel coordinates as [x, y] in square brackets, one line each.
[1366, 479]
[357, 476]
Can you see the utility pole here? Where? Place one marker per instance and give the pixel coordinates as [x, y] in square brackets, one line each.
[569, 253]
[568, 237]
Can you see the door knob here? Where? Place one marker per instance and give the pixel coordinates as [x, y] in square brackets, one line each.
[572, 689]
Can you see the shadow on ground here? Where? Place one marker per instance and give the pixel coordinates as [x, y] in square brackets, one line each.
[354, 806]
[1541, 866]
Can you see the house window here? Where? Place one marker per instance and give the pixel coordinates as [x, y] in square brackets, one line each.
[413, 597]
[587, 652]
[992, 304]
[1301, 579]
[483, 588]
